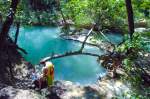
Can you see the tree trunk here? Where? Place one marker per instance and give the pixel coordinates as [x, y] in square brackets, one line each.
[8, 22]
[130, 17]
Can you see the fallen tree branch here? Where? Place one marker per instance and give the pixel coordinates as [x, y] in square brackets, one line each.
[70, 54]
[90, 44]
[89, 33]
[79, 52]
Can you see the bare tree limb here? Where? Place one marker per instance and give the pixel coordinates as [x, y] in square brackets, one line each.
[89, 33]
[101, 32]
[70, 54]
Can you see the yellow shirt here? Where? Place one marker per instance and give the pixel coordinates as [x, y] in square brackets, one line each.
[48, 71]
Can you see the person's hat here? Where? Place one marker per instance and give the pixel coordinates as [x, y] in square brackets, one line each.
[49, 64]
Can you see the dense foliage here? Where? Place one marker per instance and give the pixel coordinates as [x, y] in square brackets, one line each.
[136, 63]
[105, 13]
[29, 12]
[132, 58]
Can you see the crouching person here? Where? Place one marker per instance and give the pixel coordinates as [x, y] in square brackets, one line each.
[48, 72]
[47, 76]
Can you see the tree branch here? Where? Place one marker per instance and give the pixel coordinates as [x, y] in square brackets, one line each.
[21, 49]
[69, 54]
[12, 44]
[89, 33]
[80, 51]
[17, 32]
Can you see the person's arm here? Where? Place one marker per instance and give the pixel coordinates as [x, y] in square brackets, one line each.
[52, 72]
[40, 83]
[41, 79]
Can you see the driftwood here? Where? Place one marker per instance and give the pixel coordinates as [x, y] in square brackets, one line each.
[78, 52]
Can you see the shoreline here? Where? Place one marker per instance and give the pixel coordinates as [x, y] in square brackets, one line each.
[103, 45]
[63, 89]
[106, 88]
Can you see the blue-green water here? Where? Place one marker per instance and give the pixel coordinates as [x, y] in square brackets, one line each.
[40, 42]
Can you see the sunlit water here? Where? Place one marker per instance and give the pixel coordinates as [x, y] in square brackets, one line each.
[40, 42]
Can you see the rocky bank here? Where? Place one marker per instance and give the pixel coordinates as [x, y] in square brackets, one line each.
[105, 88]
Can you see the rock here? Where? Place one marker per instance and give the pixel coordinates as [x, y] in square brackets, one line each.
[8, 92]
[110, 88]
[141, 29]
[141, 23]
[14, 93]
[68, 22]
[69, 90]
[120, 71]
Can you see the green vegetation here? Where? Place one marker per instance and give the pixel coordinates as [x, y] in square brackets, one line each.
[98, 16]
[108, 14]
[27, 13]
[137, 73]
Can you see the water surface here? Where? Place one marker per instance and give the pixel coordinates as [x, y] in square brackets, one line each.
[41, 42]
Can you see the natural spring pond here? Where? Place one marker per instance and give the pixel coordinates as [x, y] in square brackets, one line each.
[41, 41]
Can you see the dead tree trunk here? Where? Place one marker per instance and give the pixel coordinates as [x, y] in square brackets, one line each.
[130, 17]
